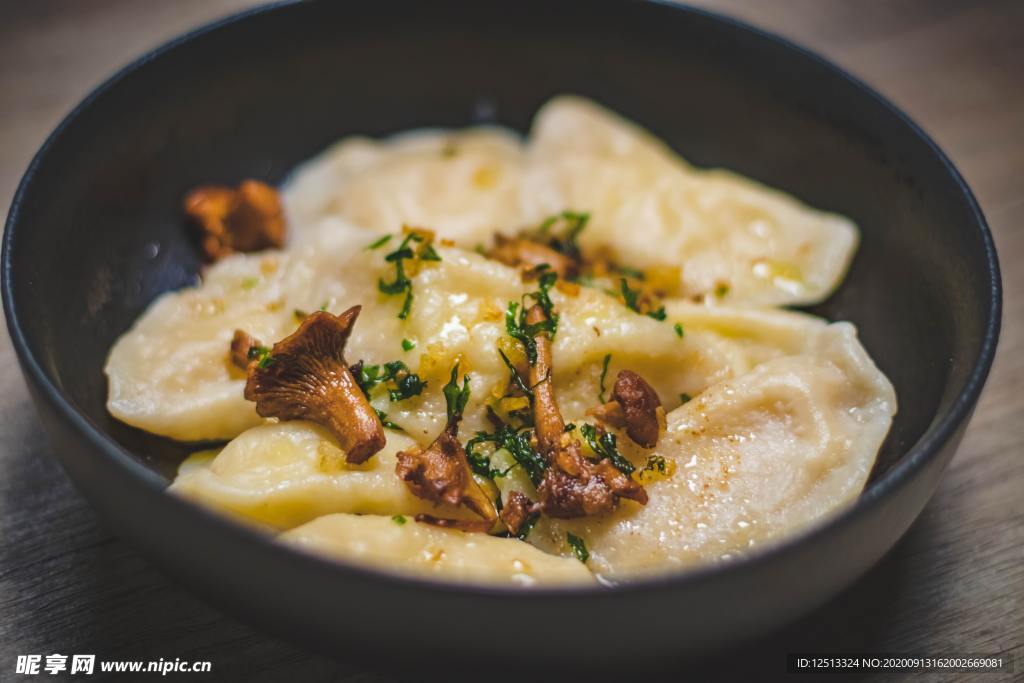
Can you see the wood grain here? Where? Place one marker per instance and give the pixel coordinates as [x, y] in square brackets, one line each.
[954, 584]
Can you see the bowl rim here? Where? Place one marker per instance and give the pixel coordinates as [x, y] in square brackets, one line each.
[927, 447]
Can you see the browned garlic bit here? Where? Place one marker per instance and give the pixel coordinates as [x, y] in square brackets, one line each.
[440, 473]
[636, 406]
[517, 511]
[519, 251]
[249, 218]
[243, 345]
[305, 377]
[573, 486]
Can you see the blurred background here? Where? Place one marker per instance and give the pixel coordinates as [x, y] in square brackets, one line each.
[953, 585]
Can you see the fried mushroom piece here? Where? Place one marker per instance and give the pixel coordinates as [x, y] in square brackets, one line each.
[305, 377]
[441, 473]
[249, 218]
[244, 347]
[519, 251]
[517, 511]
[573, 486]
[636, 407]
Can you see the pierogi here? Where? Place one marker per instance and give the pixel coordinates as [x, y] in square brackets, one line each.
[770, 420]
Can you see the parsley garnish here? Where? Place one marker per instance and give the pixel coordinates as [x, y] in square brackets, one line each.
[579, 548]
[517, 443]
[655, 463]
[685, 398]
[563, 241]
[386, 422]
[514, 375]
[604, 446]
[399, 256]
[377, 244]
[262, 353]
[408, 345]
[300, 315]
[527, 526]
[631, 297]
[515, 316]
[721, 290]
[454, 397]
[398, 519]
[604, 373]
[406, 384]
[678, 327]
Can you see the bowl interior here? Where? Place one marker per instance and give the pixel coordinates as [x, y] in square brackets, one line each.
[98, 233]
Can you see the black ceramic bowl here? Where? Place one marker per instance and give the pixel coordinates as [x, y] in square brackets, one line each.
[256, 94]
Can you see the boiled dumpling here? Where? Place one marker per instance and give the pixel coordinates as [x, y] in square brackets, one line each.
[288, 473]
[732, 237]
[406, 547]
[750, 459]
[463, 184]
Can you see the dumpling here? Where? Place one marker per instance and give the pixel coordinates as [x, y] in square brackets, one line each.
[748, 243]
[285, 474]
[463, 184]
[171, 375]
[407, 547]
[751, 458]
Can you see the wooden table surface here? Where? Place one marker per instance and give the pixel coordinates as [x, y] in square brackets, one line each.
[954, 584]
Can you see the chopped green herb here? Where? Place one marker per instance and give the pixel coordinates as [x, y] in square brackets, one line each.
[398, 519]
[403, 383]
[563, 240]
[721, 290]
[386, 422]
[300, 314]
[631, 297]
[604, 373]
[407, 386]
[514, 375]
[604, 446]
[685, 398]
[655, 463]
[402, 283]
[527, 526]
[408, 345]
[261, 354]
[323, 306]
[255, 352]
[517, 443]
[569, 427]
[377, 244]
[454, 397]
[250, 282]
[678, 327]
[427, 253]
[515, 317]
[579, 548]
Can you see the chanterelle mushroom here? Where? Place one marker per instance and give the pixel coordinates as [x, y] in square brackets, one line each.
[519, 251]
[440, 473]
[244, 349]
[573, 486]
[518, 511]
[249, 218]
[636, 406]
[305, 377]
